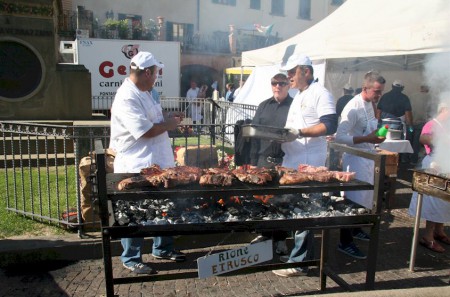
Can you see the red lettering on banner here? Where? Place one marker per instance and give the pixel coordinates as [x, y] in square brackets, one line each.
[105, 71]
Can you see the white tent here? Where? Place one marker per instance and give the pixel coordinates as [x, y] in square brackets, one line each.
[391, 36]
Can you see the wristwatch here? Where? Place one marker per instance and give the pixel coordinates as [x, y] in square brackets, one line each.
[300, 134]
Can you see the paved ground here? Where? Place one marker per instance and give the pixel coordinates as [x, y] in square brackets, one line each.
[85, 277]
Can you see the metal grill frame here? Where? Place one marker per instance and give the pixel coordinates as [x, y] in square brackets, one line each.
[324, 224]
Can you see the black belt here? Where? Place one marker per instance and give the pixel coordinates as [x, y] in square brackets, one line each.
[274, 160]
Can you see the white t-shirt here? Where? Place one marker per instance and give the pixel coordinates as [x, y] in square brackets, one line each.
[132, 114]
[305, 111]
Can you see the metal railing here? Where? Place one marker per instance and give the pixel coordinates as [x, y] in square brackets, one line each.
[213, 111]
[40, 161]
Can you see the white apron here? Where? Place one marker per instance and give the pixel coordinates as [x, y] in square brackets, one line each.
[433, 209]
[364, 169]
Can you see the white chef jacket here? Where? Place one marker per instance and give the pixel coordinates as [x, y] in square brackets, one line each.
[305, 111]
[358, 119]
[132, 114]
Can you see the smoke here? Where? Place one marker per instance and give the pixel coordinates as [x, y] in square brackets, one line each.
[437, 74]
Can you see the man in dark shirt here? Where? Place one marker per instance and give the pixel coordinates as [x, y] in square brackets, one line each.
[265, 153]
[271, 112]
[395, 104]
[342, 101]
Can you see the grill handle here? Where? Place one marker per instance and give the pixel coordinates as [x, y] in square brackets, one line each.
[443, 188]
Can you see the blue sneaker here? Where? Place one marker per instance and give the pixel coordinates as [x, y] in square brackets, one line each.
[361, 235]
[351, 250]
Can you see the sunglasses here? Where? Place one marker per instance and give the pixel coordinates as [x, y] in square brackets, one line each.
[280, 83]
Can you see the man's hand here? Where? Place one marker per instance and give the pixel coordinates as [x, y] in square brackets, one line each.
[292, 134]
[173, 122]
[373, 138]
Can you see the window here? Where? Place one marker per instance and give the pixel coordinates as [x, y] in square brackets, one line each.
[304, 9]
[277, 7]
[255, 4]
[179, 32]
[225, 2]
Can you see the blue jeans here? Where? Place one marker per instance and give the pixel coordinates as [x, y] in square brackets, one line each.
[304, 247]
[132, 248]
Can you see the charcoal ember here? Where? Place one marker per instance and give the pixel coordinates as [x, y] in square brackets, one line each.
[193, 218]
[121, 218]
[150, 213]
[255, 209]
[361, 210]
[175, 220]
[234, 211]
[121, 205]
[145, 204]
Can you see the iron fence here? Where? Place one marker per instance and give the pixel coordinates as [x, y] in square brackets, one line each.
[41, 161]
[213, 111]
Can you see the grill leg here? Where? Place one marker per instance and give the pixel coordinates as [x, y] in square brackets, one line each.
[107, 262]
[412, 259]
[324, 258]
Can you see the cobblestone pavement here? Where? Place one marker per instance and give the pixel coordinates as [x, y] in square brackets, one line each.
[86, 277]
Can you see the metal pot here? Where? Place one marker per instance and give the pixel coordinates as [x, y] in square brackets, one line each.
[395, 130]
[393, 123]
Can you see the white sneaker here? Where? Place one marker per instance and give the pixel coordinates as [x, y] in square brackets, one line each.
[140, 268]
[281, 247]
[289, 272]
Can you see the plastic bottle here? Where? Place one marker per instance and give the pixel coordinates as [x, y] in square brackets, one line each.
[382, 132]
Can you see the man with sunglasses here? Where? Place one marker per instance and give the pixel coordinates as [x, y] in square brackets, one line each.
[265, 153]
[139, 138]
[311, 117]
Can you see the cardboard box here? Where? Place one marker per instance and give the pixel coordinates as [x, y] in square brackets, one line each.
[203, 156]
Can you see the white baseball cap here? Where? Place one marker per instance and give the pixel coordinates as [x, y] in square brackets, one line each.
[144, 60]
[398, 83]
[296, 60]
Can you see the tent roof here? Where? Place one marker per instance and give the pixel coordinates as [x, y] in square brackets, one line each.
[367, 28]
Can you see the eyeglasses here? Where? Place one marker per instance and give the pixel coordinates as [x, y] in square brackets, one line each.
[280, 83]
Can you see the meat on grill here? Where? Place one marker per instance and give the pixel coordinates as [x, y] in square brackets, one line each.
[254, 175]
[152, 170]
[154, 176]
[138, 181]
[343, 176]
[311, 169]
[320, 176]
[218, 176]
[294, 178]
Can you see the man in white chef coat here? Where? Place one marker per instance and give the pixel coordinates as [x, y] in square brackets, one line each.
[311, 117]
[357, 128]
